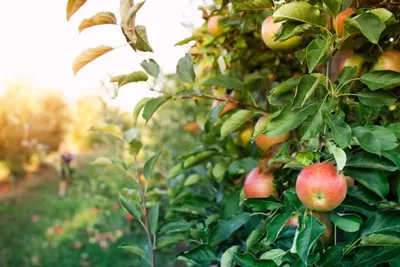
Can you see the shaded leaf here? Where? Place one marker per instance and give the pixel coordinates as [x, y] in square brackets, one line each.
[149, 165]
[135, 249]
[275, 226]
[227, 257]
[378, 98]
[142, 43]
[225, 228]
[139, 106]
[151, 67]
[225, 81]
[316, 53]
[346, 222]
[248, 260]
[381, 79]
[203, 254]
[256, 235]
[369, 25]
[263, 204]
[332, 256]
[166, 240]
[153, 218]
[371, 161]
[341, 131]
[292, 202]
[185, 70]
[374, 180]
[152, 105]
[275, 255]
[380, 240]
[129, 206]
[371, 256]
[381, 221]
[305, 89]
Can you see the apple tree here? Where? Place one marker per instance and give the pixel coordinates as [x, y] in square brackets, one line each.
[299, 157]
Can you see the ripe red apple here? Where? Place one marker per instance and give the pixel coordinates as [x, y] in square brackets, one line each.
[259, 185]
[320, 187]
[265, 142]
[214, 27]
[323, 218]
[349, 59]
[268, 32]
[389, 60]
[339, 22]
[229, 105]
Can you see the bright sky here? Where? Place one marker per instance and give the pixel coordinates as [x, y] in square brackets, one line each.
[39, 45]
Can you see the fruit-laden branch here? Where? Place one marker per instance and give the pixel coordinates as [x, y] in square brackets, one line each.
[211, 98]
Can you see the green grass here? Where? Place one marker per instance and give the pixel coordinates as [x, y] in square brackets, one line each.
[24, 242]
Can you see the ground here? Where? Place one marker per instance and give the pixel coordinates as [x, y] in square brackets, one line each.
[38, 228]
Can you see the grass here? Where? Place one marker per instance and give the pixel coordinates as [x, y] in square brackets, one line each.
[38, 228]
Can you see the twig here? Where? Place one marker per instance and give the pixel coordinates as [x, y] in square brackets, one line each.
[208, 97]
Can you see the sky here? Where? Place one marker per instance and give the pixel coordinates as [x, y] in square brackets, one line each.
[39, 45]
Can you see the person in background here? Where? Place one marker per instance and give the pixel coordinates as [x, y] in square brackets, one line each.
[66, 171]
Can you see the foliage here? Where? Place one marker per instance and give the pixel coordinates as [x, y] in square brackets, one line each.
[335, 111]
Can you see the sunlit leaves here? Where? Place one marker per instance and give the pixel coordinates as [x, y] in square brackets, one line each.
[305, 89]
[88, 56]
[382, 221]
[73, 6]
[142, 42]
[100, 18]
[346, 222]
[341, 131]
[135, 249]
[316, 53]
[301, 11]
[374, 180]
[375, 139]
[139, 106]
[235, 122]
[136, 76]
[111, 129]
[377, 98]
[225, 81]
[244, 5]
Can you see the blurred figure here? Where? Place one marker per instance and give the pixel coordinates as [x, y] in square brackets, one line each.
[66, 171]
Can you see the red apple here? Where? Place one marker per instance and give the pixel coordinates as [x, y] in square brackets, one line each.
[229, 105]
[265, 142]
[389, 60]
[339, 22]
[259, 185]
[349, 59]
[214, 27]
[268, 31]
[320, 187]
[323, 218]
[191, 127]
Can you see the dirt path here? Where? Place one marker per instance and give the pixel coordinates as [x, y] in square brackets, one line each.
[28, 183]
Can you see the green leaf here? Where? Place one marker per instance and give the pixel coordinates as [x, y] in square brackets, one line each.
[317, 123]
[185, 70]
[339, 154]
[306, 238]
[190, 161]
[364, 194]
[248, 260]
[203, 254]
[346, 75]
[246, 5]
[290, 29]
[100, 18]
[286, 86]
[187, 40]
[110, 129]
[374, 180]
[227, 257]
[289, 119]
[151, 67]
[139, 106]
[316, 53]
[395, 128]
[305, 158]
[235, 122]
[378, 98]
[292, 202]
[385, 15]
[380, 240]
[300, 11]
[153, 218]
[166, 240]
[305, 89]
[375, 139]
[346, 222]
[149, 165]
[341, 131]
[225, 228]
[129, 206]
[353, 204]
[260, 128]
[134, 147]
[371, 161]
[394, 262]
[372, 256]
[380, 222]
[242, 166]
[142, 43]
[225, 81]
[256, 235]
[136, 76]
[103, 161]
[275, 255]
[73, 6]
[152, 105]
[332, 6]
[263, 204]
[275, 226]
[381, 79]
[332, 256]
[135, 249]
[170, 227]
[369, 25]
